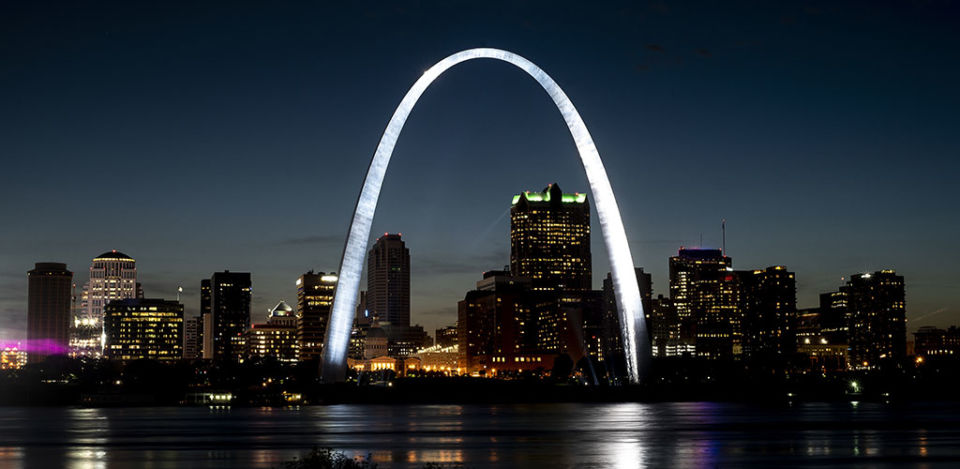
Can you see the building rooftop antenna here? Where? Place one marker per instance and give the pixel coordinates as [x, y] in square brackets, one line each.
[723, 234]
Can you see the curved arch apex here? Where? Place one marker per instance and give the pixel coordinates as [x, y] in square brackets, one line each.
[627, 291]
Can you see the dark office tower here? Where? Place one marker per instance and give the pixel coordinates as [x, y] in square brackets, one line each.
[205, 297]
[446, 336]
[876, 318]
[495, 323]
[665, 332]
[550, 239]
[137, 328]
[768, 300]
[314, 300]
[834, 307]
[403, 341]
[229, 316]
[48, 309]
[704, 290]
[192, 338]
[610, 322]
[206, 319]
[818, 339]
[388, 280]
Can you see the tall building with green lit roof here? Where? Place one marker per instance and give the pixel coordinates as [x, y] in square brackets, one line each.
[550, 239]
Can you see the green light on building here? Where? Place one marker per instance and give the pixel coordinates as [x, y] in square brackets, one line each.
[576, 198]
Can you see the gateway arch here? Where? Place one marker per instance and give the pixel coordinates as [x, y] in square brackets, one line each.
[632, 322]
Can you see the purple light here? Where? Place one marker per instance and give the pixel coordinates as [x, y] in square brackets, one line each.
[44, 346]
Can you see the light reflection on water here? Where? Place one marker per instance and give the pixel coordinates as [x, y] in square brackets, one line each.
[622, 435]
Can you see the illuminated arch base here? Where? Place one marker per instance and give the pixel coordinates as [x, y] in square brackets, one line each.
[632, 322]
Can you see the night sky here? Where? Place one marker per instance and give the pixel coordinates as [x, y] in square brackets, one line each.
[198, 138]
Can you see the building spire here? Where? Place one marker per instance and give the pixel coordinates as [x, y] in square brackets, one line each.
[723, 234]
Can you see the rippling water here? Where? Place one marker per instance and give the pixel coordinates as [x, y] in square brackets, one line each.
[550, 435]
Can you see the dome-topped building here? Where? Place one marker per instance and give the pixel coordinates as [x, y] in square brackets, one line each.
[113, 255]
[282, 314]
[282, 309]
[277, 338]
[113, 276]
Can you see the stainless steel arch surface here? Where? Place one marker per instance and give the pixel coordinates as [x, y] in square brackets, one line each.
[632, 322]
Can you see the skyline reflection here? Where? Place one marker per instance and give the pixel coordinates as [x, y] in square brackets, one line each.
[545, 435]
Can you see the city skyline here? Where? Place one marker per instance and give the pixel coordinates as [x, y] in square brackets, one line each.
[847, 177]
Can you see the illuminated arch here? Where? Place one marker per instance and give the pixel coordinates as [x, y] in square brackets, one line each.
[632, 322]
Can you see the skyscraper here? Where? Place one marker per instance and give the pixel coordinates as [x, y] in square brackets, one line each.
[193, 338]
[229, 316]
[704, 290]
[48, 309]
[768, 299]
[138, 328]
[876, 318]
[612, 340]
[204, 333]
[314, 300]
[495, 323]
[550, 239]
[507, 326]
[833, 312]
[388, 280]
[113, 276]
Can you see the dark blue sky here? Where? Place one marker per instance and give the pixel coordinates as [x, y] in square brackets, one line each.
[199, 138]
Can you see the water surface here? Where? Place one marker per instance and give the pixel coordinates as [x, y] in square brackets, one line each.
[618, 435]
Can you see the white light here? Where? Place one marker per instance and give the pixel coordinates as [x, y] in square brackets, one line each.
[328, 278]
[633, 325]
[298, 282]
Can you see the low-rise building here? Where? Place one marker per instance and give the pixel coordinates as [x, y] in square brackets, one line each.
[277, 338]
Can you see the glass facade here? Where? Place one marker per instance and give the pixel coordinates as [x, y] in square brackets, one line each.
[137, 329]
[550, 239]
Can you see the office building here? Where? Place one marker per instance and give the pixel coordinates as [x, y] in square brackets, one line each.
[229, 316]
[704, 290]
[403, 341]
[876, 318]
[206, 318]
[494, 323]
[137, 329]
[550, 240]
[276, 339]
[113, 276]
[666, 336]
[833, 312]
[314, 300]
[193, 338]
[446, 336]
[821, 337]
[49, 300]
[13, 357]
[505, 326]
[612, 338]
[388, 280]
[931, 343]
[768, 301]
